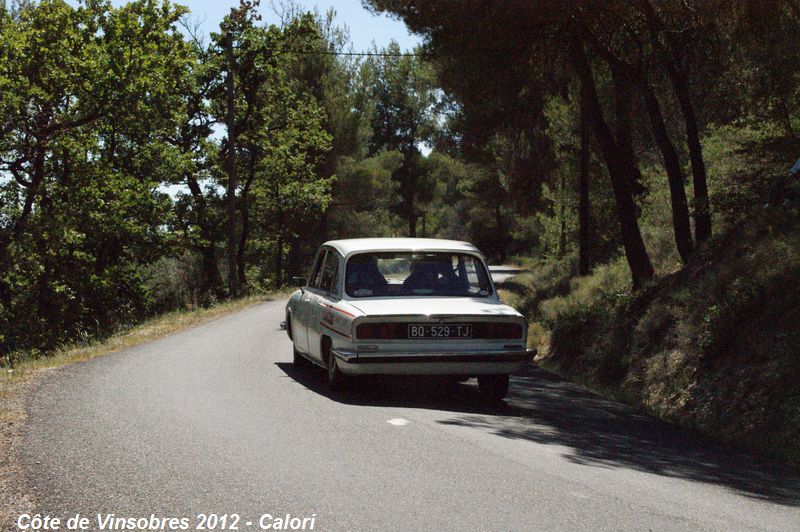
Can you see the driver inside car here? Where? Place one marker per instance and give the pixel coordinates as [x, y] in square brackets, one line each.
[365, 279]
[424, 277]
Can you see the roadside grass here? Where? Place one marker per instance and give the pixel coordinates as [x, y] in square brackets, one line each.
[712, 346]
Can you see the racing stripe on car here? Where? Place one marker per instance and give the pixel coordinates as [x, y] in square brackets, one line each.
[343, 312]
[334, 330]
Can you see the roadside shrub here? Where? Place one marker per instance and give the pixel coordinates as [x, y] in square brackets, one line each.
[714, 346]
[578, 319]
[173, 283]
[543, 280]
[743, 159]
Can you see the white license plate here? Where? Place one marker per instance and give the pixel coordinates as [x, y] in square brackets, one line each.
[451, 330]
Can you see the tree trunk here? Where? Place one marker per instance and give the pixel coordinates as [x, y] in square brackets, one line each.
[407, 177]
[584, 260]
[501, 235]
[412, 223]
[702, 205]
[679, 79]
[786, 119]
[680, 208]
[244, 207]
[279, 262]
[562, 217]
[243, 236]
[212, 281]
[233, 279]
[623, 98]
[618, 169]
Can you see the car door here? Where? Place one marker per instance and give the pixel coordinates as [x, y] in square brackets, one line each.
[324, 296]
[301, 318]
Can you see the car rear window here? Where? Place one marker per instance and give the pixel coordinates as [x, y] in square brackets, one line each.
[442, 274]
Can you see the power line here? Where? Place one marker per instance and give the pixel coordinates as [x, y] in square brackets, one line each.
[355, 54]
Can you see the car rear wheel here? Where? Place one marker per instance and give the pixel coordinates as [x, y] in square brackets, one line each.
[493, 387]
[335, 377]
[454, 380]
[288, 323]
[299, 360]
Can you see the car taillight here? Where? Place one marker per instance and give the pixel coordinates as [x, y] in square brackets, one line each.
[502, 330]
[380, 331]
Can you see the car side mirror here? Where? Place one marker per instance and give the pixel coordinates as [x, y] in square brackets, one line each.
[299, 281]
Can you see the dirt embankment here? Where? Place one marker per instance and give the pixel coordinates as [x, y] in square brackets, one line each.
[714, 346]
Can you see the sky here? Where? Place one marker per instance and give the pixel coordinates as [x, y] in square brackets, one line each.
[364, 27]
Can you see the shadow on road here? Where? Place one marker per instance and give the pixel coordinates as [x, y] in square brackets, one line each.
[543, 408]
[428, 393]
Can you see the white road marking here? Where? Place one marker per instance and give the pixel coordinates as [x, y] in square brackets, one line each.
[399, 421]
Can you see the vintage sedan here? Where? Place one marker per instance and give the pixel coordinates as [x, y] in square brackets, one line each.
[405, 306]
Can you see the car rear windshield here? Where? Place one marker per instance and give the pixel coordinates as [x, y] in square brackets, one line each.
[388, 274]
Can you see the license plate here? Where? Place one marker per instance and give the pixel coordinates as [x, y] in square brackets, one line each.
[451, 330]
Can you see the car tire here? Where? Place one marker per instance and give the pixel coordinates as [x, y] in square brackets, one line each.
[289, 325]
[298, 360]
[493, 387]
[335, 377]
[454, 380]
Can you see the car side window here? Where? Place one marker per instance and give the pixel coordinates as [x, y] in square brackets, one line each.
[330, 273]
[313, 281]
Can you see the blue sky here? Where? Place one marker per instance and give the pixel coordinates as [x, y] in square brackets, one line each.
[364, 27]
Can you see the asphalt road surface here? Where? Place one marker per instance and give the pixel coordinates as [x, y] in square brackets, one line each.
[502, 273]
[216, 419]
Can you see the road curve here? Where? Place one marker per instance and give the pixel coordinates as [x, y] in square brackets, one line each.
[216, 419]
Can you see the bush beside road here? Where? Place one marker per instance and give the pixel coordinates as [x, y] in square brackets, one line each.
[713, 346]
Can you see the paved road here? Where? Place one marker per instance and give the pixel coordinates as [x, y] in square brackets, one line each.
[216, 419]
[502, 273]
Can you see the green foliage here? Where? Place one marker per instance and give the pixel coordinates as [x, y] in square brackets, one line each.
[170, 284]
[745, 158]
[366, 192]
[403, 91]
[83, 212]
[101, 107]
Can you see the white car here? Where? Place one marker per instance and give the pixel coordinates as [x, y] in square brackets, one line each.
[406, 306]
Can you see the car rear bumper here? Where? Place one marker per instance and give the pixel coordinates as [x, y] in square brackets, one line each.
[432, 363]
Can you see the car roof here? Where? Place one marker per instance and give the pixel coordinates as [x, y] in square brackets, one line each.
[353, 245]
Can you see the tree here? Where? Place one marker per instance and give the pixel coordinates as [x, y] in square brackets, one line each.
[274, 138]
[636, 72]
[192, 153]
[495, 44]
[584, 243]
[359, 194]
[668, 46]
[83, 210]
[403, 91]
[620, 169]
